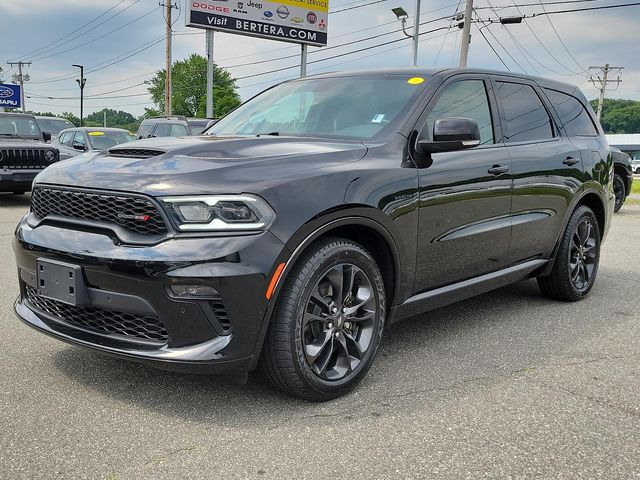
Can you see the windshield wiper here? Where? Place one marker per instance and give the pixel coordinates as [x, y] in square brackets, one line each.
[274, 134]
[13, 135]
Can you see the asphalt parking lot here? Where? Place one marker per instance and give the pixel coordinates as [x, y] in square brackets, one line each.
[505, 385]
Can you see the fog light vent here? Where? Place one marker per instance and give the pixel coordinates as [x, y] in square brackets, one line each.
[194, 291]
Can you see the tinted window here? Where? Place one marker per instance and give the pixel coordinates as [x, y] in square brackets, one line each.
[80, 139]
[66, 138]
[526, 117]
[572, 114]
[467, 99]
[53, 125]
[143, 131]
[179, 130]
[101, 140]
[162, 130]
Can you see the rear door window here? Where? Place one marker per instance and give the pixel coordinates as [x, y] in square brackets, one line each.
[179, 130]
[80, 139]
[573, 115]
[527, 120]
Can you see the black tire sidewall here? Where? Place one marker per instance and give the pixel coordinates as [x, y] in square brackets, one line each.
[338, 252]
[617, 179]
[580, 214]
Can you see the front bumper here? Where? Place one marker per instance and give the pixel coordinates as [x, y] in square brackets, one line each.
[135, 280]
[12, 180]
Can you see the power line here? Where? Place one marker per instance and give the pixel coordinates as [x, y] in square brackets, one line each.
[93, 28]
[561, 41]
[98, 38]
[39, 50]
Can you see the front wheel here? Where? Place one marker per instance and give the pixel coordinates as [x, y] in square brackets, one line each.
[327, 324]
[619, 191]
[578, 256]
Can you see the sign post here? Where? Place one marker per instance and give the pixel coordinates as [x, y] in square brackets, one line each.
[297, 21]
[10, 96]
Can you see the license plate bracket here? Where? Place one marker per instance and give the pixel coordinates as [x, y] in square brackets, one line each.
[61, 281]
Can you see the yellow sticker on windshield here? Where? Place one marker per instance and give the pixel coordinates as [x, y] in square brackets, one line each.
[415, 81]
[96, 134]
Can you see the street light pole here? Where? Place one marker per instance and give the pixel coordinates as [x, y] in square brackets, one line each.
[416, 33]
[81, 83]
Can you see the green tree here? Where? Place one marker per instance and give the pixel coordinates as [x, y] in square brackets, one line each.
[115, 119]
[619, 116]
[189, 89]
[71, 117]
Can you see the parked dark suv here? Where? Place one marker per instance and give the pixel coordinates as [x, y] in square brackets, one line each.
[23, 152]
[313, 217]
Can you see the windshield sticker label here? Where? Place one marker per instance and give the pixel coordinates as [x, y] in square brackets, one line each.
[377, 118]
[96, 134]
[415, 81]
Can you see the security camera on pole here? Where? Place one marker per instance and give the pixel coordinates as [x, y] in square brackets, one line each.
[402, 15]
[81, 83]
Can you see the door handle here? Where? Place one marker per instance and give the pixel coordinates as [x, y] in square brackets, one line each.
[570, 161]
[498, 169]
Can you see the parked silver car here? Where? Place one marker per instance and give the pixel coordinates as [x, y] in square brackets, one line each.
[74, 141]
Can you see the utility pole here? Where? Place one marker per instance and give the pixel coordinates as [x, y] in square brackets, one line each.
[303, 60]
[210, 65]
[20, 78]
[81, 83]
[600, 80]
[466, 34]
[167, 79]
[104, 118]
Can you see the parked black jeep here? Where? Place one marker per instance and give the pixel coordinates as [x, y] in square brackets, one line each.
[23, 152]
[304, 223]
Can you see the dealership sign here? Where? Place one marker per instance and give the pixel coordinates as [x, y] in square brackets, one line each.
[9, 96]
[298, 21]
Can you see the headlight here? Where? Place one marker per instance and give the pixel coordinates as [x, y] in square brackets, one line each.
[220, 212]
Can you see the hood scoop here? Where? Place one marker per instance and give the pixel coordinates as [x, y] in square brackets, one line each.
[134, 152]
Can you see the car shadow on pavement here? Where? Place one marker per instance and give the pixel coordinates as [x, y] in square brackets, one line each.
[434, 350]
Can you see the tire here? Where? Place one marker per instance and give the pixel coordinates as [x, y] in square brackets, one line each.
[563, 283]
[306, 333]
[619, 190]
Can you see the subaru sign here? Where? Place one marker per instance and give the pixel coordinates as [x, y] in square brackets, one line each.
[298, 21]
[10, 96]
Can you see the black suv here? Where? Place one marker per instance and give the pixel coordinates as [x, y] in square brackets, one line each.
[314, 216]
[23, 152]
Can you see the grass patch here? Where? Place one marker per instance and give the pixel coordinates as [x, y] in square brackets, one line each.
[635, 186]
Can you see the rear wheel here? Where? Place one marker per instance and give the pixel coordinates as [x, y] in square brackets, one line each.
[578, 256]
[328, 322]
[619, 191]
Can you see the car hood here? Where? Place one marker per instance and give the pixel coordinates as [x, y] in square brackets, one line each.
[10, 142]
[202, 164]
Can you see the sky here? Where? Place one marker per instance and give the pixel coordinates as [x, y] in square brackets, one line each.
[125, 46]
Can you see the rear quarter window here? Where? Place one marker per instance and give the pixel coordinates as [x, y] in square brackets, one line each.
[527, 120]
[572, 113]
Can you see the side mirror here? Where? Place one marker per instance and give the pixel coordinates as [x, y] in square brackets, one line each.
[451, 134]
[46, 136]
[79, 146]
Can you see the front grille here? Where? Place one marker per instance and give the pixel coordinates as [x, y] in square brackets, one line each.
[134, 214]
[106, 322]
[23, 158]
[134, 152]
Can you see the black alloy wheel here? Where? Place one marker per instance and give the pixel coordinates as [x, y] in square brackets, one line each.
[339, 322]
[327, 323]
[576, 264]
[618, 191]
[583, 254]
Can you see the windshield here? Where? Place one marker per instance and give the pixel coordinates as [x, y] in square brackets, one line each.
[103, 140]
[357, 107]
[19, 127]
[54, 125]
